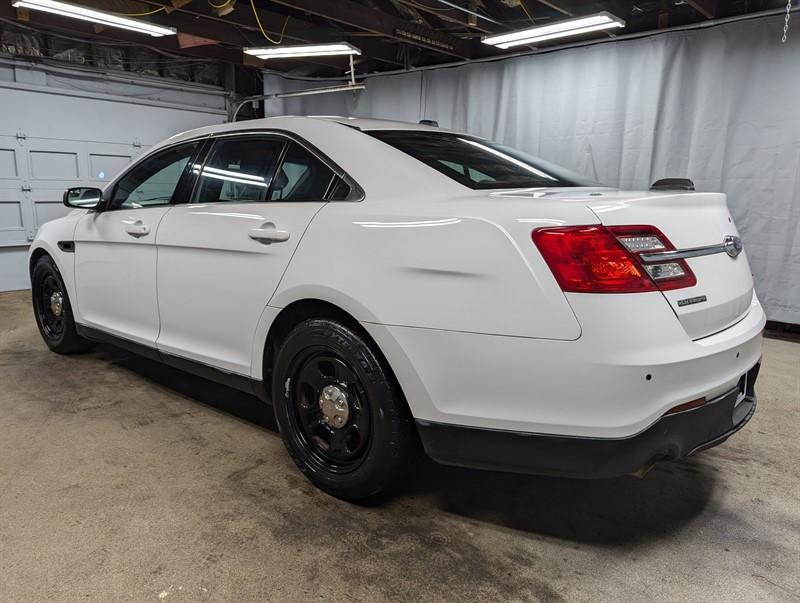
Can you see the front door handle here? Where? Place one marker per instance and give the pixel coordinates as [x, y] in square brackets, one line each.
[268, 233]
[136, 228]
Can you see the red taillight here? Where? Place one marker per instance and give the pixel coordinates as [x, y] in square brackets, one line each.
[599, 259]
[667, 274]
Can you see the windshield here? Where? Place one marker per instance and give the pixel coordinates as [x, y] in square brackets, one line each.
[478, 163]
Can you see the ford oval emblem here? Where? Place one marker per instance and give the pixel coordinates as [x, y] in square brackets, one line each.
[732, 245]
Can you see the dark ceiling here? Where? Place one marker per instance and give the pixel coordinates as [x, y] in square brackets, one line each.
[392, 34]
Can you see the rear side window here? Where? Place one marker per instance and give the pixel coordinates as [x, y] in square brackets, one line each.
[301, 177]
[238, 170]
[478, 163]
[340, 191]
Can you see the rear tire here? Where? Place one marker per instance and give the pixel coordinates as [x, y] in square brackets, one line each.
[52, 309]
[342, 417]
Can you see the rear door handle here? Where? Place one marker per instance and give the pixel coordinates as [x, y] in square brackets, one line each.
[268, 233]
[136, 228]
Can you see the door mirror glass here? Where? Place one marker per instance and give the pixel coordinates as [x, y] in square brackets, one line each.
[83, 197]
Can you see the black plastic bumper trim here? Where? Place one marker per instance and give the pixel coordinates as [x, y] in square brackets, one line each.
[671, 437]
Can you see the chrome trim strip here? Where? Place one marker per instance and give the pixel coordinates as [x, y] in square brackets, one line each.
[682, 254]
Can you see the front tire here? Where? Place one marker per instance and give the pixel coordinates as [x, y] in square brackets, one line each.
[52, 309]
[342, 418]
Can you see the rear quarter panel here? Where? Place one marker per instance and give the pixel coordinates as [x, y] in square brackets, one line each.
[436, 264]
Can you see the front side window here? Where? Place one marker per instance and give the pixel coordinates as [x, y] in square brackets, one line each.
[301, 177]
[153, 181]
[478, 163]
[238, 170]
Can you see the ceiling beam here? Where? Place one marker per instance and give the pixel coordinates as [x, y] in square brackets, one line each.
[577, 8]
[231, 33]
[444, 14]
[707, 8]
[555, 7]
[297, 30]
[86, 30]
[368, 19]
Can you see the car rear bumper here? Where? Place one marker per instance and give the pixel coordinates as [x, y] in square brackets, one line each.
[620, 377]
[672, 437]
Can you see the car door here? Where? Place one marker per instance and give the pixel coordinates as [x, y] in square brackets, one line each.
[221, 256]
[115, 251]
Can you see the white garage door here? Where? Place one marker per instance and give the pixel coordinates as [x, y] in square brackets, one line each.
[53, 137]
[35, 171]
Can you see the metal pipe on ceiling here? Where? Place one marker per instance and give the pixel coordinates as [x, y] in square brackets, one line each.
[470, 12]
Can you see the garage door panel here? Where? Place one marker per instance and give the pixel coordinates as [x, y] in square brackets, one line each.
[12, 222]
[44, 211]
[104, 167]
[8, 163]
[10, 215]
[54, 165]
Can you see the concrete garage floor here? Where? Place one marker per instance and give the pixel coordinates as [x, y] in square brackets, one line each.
[124, 480]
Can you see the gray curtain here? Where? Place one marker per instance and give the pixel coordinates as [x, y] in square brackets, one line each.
[719, 105]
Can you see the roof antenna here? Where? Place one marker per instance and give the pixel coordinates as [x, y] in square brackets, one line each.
[429, 122]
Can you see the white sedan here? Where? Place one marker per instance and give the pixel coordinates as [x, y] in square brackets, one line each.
[390, 286]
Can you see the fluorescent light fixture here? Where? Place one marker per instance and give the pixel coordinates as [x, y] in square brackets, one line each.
[303, 50]
[95, 16]
[561, 29]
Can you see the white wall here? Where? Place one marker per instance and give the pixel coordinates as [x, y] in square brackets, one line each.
[719, 105]
[62, 127]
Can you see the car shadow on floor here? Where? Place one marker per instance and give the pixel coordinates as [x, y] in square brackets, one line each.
[608, 512]
[611, 512]
[209, 393]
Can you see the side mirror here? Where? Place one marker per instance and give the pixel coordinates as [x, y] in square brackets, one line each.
[83, 197]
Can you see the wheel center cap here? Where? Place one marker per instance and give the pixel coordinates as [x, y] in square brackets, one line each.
[57, 303]
[334, 406]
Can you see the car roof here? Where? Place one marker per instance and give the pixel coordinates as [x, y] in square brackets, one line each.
[384, 172]
[289, 122]
[378, 124]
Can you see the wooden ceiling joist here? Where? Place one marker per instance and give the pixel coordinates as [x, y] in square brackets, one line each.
[361, 17]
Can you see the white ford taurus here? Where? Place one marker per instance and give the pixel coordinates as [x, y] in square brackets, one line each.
[386, 284]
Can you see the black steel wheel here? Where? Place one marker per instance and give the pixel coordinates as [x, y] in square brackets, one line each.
[330, 410]
[52, 309]
[341, 416]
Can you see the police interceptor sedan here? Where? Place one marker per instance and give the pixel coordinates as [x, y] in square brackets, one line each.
[392, 287]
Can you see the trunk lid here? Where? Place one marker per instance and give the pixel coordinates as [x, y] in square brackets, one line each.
[723, 293]
[724, 290]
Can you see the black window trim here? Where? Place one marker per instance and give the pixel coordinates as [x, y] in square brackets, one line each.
[356, 192]
[109, 191]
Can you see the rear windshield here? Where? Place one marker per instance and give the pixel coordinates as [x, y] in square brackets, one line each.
[478, 163]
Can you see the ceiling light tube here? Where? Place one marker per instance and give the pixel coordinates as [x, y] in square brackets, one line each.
[556, 35]
[95, 16]
[561, 29]
[303, 50]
